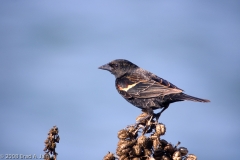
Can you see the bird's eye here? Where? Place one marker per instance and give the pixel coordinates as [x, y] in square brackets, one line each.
[114, 65]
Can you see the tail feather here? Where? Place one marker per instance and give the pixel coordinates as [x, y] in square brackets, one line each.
[191, 98]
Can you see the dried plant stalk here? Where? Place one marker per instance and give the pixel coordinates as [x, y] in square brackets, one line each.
[134, 144]
[50, 144]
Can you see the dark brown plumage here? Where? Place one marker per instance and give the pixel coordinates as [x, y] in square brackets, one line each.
[143, 89]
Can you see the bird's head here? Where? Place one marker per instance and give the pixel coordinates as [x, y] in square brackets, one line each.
[119, 67]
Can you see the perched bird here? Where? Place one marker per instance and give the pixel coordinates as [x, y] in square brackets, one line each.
[144, 89]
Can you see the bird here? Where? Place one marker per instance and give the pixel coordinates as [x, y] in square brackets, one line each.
[144, 89]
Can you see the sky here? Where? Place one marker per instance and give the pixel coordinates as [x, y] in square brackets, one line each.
[50, 52]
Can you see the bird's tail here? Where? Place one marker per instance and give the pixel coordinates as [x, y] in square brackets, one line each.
[191, 98]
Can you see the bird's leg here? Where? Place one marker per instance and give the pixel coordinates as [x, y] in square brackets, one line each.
[159, 114]
[144, 121]
[148, 124]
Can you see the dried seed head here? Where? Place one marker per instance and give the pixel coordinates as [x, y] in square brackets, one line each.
[57, 139]
[134, 147]
[50, 144]
[120, 151]
[158, 153]
[53, 145]
[163, 142]
[50, 137]
[126, 143]
[136, 150]
[132, 132]
[126, 151]
[123, 134]
[109, 156]
[124, 157]
[46, 156]
[154, 136]
[142, 140]
[148, 144]
[142, 118]
[183, 151]
[156, 144]
[164, 157]
[120, 142]
[136, 158]
[46, 141]
[147, 152]
[160, 129]
[131, 129]
[169, 148]
[177, 155]
[191, 157]
[177, 158]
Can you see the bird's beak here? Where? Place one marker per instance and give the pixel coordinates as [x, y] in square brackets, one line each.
[105, 67]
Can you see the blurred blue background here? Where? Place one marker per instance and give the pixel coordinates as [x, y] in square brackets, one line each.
[50, 52]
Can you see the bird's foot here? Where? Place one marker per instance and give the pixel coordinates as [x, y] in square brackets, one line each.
[147, 125]
[157, 116]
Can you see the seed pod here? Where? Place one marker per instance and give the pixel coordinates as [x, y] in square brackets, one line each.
[177, 155]
[57, 139]
[148, 144]
[183, 150]
[169, 148]
[126, 151]
[147, 152]
[131, 128]
[123, 134]
[154, 136]
[132, 132]
[150, 158]
[158, 153]
[124, 157]
[120, 151]
[54, 130]
[156, 144]
[191, 157]
[46, 156]
[157, 158]
[142, 118]
[120, 142]
[136, 150]
[163, 142]
[124, 145]
[128, 143]
[164, 157]
[142, 140]
[46, 141]
[109, 156]
[136, 158]
[53, 146]
[160, 129]
[132, 142]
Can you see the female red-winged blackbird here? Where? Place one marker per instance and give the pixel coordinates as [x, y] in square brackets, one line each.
[143, 89]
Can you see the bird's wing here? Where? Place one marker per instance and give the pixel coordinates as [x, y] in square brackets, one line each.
[135, 86]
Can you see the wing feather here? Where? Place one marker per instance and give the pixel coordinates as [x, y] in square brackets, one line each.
[135, 86]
